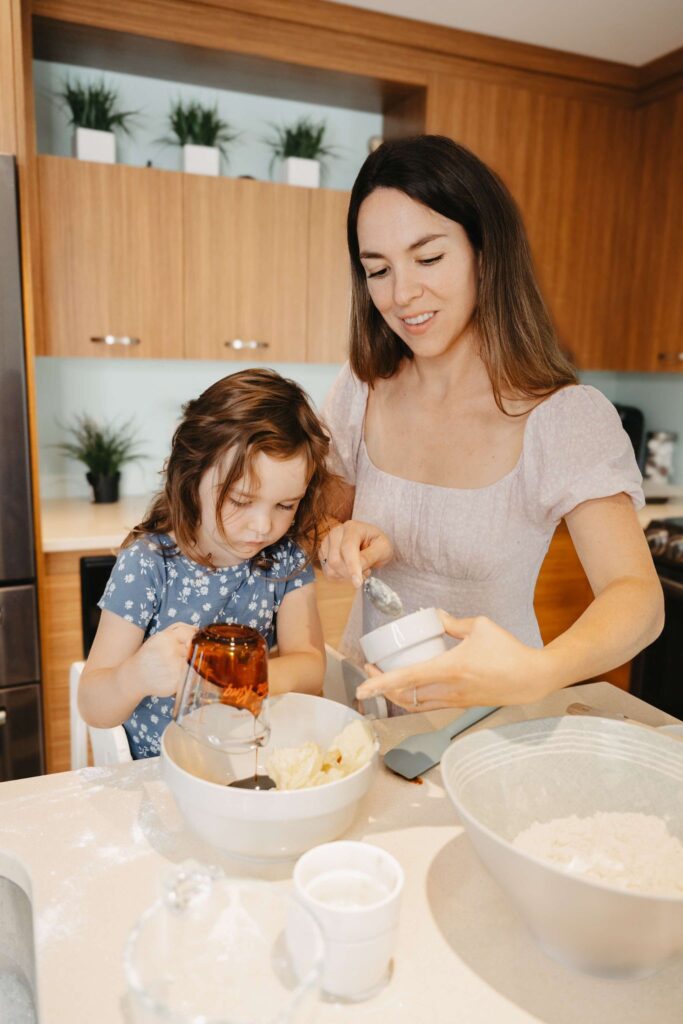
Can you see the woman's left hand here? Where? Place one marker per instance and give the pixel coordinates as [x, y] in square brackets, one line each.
[489, 667]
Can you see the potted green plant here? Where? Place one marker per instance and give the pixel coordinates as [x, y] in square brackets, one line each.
[94, 114]
[203, 135]
[104, 449]
[299, 147]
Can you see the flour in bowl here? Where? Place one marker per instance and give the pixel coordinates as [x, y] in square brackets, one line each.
[628, 850]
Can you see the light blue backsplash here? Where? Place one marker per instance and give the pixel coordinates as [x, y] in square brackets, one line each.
[347, 130]
[152, 393]
[660, 396]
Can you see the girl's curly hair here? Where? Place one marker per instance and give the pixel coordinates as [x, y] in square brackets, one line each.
[248, 413]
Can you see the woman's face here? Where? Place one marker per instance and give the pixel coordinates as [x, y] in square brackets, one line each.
[421, 270]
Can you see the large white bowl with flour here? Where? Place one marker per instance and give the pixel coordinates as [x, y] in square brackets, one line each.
[503, 780]
[270, 824]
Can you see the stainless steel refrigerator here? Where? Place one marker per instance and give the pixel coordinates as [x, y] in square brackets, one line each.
[21, 740]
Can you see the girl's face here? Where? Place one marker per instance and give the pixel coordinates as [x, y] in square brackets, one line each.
[257, 512]
[421, 270]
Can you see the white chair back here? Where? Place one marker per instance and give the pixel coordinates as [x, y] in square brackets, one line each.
[109, 746]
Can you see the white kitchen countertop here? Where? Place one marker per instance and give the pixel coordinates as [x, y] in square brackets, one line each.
[77, 524]
[91, 846]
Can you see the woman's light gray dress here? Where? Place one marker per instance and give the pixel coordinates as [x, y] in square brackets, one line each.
[479, 551]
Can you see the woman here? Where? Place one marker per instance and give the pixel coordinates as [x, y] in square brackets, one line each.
[464, 439]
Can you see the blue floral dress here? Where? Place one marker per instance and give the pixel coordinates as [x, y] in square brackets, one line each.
[154, 585]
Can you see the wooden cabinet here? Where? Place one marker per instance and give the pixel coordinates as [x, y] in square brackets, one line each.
[654, 328]
[193, 266]
[563, 594]
[111, 253]
[564, 159]
[329, 278]
[62, 645]
[246, 269]
[8, 132]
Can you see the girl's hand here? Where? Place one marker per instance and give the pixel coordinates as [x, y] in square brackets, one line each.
[489, 668]
[351, 549]
[161, 662]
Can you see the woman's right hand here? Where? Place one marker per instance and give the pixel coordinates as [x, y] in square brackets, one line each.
[351, 549]
[161, 662]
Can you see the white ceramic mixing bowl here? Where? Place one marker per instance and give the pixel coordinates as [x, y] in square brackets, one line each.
[269, 824]
[503, 780]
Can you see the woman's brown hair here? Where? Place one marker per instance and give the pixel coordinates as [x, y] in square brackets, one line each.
[249, 413]
[518, 342]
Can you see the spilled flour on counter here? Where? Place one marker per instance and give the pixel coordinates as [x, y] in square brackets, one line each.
[628, 850]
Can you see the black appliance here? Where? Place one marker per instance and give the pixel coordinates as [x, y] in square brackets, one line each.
[633, 422]
[21, 740]
[95, 573]
[657, 672]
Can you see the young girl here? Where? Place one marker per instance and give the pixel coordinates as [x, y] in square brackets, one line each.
[221, 543]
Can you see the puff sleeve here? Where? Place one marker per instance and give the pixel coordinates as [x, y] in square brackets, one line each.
[137, 583]
[343, 413]
[577, 450]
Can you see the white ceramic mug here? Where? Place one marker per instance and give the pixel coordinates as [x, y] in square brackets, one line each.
[354, 891]
[405, 641]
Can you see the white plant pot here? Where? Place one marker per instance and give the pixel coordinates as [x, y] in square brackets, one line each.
[295, 170]
[201, 160]
[91, 144]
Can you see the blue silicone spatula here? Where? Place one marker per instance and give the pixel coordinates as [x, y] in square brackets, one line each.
[415, 755]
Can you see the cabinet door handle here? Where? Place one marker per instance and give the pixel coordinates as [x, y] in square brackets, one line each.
[3, 717]
[238, 344]
[115, 339]
[680, 357]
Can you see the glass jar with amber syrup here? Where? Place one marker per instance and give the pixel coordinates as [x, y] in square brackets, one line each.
[223, 701]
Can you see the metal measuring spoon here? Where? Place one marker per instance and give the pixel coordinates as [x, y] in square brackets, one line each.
[383, 597]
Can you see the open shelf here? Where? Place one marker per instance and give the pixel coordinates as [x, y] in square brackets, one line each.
[251, 92]
[67, 43]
